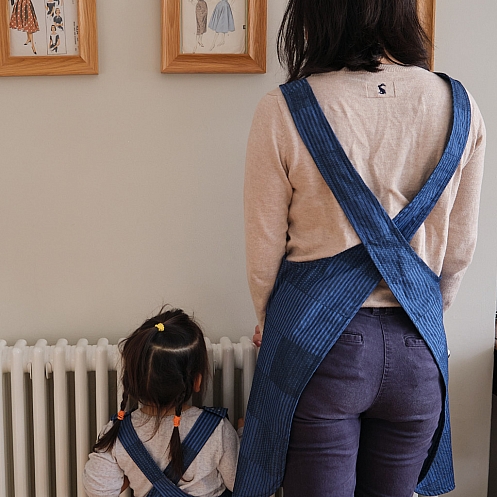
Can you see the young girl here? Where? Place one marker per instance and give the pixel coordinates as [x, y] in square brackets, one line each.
[164, 363]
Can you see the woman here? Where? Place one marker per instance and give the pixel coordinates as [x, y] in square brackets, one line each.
[201, 11]
[54, 40]
[23, 18]
[57, 19]
[357, 241]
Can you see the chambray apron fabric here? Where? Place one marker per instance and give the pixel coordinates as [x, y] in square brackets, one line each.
[164, 484]
[313, 302]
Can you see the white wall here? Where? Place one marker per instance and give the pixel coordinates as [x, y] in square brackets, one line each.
[465, 41]
[122, 191]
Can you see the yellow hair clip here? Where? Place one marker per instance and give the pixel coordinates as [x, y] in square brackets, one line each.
[160, 326]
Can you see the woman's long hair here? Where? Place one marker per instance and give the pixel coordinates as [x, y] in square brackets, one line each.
[318, 36]
[160, 367]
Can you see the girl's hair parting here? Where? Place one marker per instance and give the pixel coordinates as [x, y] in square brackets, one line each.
[162, 360]
[318, 36]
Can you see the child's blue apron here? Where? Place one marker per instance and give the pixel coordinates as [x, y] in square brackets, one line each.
[164, 484]
[312, 302]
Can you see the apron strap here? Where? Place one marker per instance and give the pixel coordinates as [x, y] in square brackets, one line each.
[354, 196]
[196, 438]
[413, 215]
[162, 485]
[403, 270]
[203, 428]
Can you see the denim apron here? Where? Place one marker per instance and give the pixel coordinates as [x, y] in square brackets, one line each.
[313, 302]
[164, 484]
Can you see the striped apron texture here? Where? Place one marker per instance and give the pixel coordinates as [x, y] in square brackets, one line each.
[313, 302]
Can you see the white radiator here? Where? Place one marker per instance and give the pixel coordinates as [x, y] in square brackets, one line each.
[56, 398]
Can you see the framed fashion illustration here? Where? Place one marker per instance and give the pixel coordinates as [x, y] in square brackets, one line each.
[48, 37]
[426, 9]
[214, 36]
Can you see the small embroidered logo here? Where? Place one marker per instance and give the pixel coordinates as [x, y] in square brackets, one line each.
[381, 89]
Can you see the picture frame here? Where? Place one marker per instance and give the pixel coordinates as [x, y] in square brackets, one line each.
[426, 12]
[82, 33]
[176, 60]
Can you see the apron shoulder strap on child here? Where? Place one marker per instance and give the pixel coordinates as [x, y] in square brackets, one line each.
[163, 485]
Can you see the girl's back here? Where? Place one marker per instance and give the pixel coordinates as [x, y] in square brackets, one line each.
[164, 362]
[211, 472]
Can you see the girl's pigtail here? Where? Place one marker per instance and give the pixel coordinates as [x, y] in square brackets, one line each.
[175, 449]
[108, 439]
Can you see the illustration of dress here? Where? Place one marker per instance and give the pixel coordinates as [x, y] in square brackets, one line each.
[201, 14]
[222, 18]
[23, 17]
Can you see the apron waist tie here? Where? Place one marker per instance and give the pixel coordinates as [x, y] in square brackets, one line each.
[383, 311]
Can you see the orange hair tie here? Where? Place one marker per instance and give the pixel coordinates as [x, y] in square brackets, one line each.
[176, 421]
[120, 415]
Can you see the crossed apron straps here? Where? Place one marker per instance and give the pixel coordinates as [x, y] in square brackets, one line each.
[164, 484]
[312, 302]
[386, 240]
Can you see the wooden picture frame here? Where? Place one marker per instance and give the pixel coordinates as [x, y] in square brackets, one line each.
[85, 62]
[252, 61]
[426, 11]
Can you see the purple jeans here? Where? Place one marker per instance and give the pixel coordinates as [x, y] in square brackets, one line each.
[365, 422]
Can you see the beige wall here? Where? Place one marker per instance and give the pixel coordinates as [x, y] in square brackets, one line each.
[122, 191]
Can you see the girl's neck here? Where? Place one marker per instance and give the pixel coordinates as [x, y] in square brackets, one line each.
[152, 411]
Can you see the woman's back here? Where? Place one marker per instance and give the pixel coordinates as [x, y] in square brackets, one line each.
[335, 435]
[393, 126]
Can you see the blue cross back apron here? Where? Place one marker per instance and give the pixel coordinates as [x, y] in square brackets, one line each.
[313, 302]
[164, 482]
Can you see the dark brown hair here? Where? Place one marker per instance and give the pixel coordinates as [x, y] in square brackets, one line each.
[319, 36]
[159, 370]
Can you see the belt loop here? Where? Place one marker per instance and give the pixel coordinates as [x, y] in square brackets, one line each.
[376, 311]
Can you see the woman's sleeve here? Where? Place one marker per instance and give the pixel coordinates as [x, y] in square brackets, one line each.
[463, 222]
[267, 196]
[231, 446]
[102, 477]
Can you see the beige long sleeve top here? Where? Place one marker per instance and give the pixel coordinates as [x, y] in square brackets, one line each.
[394, 137]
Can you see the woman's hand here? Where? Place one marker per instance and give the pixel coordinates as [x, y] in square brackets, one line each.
[125, 484]
[257, 338]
